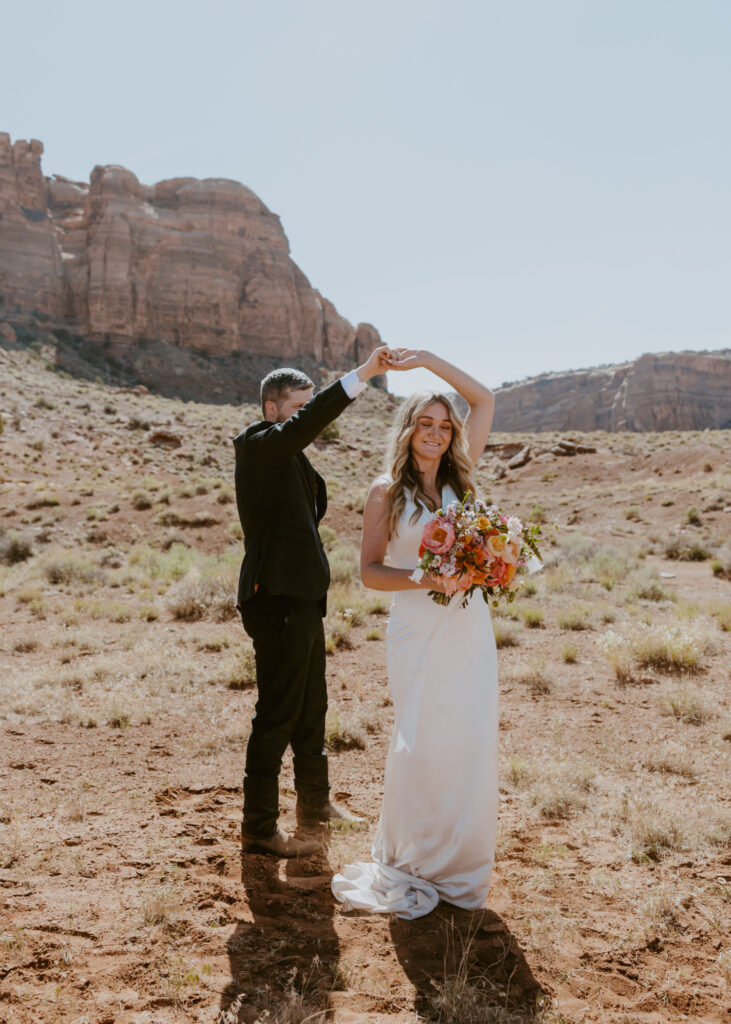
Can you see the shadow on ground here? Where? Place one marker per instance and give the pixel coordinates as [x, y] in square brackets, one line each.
[286, 957]
[464, 963]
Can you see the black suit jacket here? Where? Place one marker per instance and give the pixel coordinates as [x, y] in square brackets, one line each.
[281, 499]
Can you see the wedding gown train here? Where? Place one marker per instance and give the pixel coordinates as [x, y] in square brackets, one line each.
[436, 833]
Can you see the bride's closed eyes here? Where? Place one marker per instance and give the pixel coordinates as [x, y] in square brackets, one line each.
[444, 427]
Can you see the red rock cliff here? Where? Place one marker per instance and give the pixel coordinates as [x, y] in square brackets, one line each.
[666, 391]
[132, 270]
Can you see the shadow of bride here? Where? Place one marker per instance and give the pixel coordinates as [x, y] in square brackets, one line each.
[285, 952]
[464, 962]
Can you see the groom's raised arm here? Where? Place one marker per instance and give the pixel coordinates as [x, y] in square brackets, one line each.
[279, 441]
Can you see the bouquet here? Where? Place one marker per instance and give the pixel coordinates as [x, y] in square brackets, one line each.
[474, 546]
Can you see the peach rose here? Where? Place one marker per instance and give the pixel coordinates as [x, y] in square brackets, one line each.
[496, 545]
[508, 572]
[438, 536]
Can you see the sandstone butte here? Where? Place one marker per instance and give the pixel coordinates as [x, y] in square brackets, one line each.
[664, 391]
[188, 287]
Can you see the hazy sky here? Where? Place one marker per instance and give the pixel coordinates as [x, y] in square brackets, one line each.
[522, 186]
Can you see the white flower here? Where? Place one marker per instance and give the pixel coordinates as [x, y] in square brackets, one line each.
[515, 528]
[417, 575]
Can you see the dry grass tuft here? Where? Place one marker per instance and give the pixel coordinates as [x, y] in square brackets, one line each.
[14, 547]
[348, 732]
[466, 994]
[202, 597]
[666, 649]
[564, 791]
[505, 634]
[650, 828]
[687, 706]
[576, 618]
[161, 905]
[534, 677]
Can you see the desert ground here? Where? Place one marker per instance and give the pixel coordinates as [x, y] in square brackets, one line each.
[126, 691]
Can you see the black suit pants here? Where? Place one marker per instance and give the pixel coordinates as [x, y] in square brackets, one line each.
[289, 647]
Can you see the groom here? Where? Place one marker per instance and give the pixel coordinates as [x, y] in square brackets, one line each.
[282, 595]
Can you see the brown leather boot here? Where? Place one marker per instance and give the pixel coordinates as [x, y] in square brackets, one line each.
[281, 844]
[307, 814]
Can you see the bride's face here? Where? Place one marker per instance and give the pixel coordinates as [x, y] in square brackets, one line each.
[433, 433]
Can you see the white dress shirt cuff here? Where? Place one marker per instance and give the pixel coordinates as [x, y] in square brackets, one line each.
[352, 384]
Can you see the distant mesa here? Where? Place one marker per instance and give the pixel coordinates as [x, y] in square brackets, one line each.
[186, 285]
[665, 391]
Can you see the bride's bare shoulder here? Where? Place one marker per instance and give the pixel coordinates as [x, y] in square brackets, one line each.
[378, 491]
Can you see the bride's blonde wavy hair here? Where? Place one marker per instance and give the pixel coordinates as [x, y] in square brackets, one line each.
[455, 467]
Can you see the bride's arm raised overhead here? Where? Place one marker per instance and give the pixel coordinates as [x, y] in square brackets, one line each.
[479, 398]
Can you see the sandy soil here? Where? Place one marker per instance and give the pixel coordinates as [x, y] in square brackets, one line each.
[124, 894]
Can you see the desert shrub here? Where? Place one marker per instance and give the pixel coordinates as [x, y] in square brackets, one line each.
[71, 569]
[202, 597]
[172, 518]
[563, 790]
[14, 548]
[331, 432]
[532, 617]
[680, 551]
[693, 517]
[166, 565]
[141, 500]
[517, 773]
[505, 635]
[569, 653]
[378, 604]
[651, 829]
[666, 649]
[537, 514]
[686, 706]
[670, 762]
[43, 500]
[244, 674]
[576, 618]
[135, 423]
[722, 615]
[343, 563]
[342, 732]
[646, 588]
[533, 676]
[225, 496]
[328, 536]
[672, 649]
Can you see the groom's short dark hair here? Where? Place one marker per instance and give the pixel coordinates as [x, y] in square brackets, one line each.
[276, 383]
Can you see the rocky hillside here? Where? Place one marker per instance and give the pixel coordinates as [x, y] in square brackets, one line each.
[666, 391]
[185, 285]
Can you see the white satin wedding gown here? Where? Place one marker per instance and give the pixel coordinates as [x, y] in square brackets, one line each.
[436, 834]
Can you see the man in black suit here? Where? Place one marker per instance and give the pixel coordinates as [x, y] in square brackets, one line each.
[282, 594]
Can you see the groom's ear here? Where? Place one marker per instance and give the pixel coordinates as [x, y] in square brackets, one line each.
[271, 411]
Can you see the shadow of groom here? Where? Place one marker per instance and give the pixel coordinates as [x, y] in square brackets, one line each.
[462, 961]
[285, 953]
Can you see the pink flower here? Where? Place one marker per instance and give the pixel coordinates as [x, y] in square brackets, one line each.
[438, 536]
[465, 581]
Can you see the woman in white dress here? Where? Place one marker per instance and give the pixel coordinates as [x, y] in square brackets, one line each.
[436, 833]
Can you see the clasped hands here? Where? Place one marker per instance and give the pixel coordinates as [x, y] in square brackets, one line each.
[385, 358]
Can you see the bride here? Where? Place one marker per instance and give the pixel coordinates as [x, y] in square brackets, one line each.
[436, 833]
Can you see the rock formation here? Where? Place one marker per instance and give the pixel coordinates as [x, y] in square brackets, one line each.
[667, 391]
[185, 284]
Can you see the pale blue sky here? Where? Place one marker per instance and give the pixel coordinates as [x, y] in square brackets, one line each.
[522, 186]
